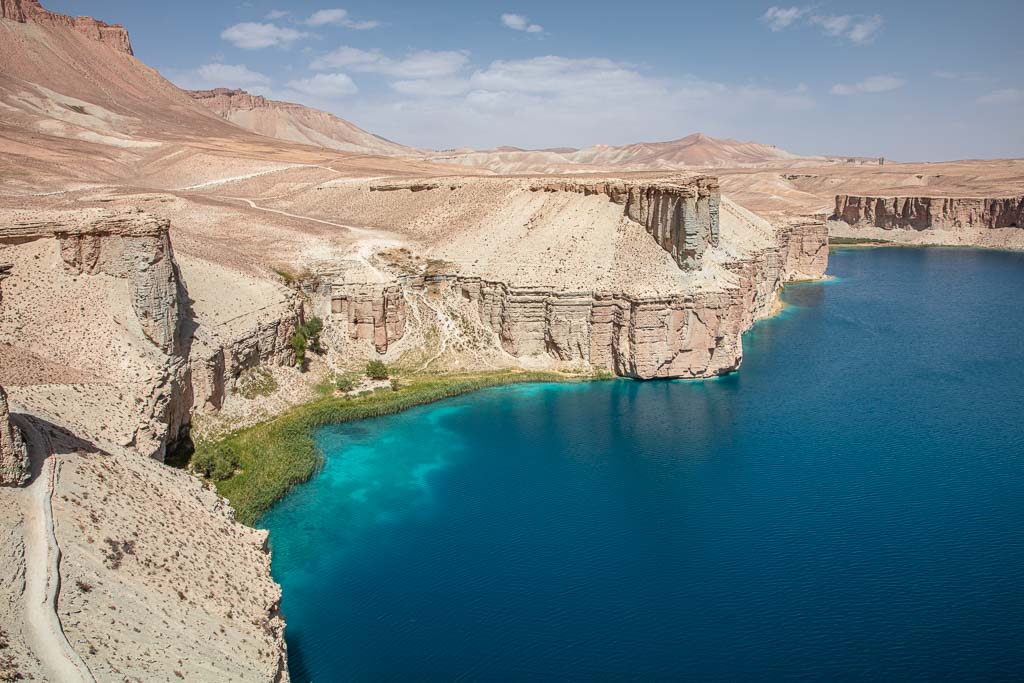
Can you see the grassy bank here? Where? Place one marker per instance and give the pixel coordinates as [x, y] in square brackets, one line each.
[273, 457]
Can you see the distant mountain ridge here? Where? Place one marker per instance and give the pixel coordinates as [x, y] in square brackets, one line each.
[693, 151]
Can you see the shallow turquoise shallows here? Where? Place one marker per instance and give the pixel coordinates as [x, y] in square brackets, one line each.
[850, 505]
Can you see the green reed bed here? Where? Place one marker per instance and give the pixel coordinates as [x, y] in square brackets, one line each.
[256, 466]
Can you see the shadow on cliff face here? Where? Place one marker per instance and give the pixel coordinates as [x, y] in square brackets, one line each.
[44, 438]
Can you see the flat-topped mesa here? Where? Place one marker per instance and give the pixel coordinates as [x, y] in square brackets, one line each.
[125, 244]
[682, 215]
[30, 11]
[688, 334]
[923, 213]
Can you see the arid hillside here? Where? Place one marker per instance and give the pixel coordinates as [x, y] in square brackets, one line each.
[295, 123]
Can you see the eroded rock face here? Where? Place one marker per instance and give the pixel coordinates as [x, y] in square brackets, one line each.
[681, 216]
[373, 313]
[689, 334]
[125, 244]
[14, 464]
[224, 99]
[25, 11]
[923, 213]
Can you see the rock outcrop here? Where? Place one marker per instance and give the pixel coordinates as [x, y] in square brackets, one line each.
[130, 245]
[30, 11]
[689, 334]
[924, 213]
[14, 464]
[682, 217]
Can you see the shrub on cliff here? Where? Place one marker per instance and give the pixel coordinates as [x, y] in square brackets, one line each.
[376, 369]
[216, 464]
[299, 342]
[313, 328]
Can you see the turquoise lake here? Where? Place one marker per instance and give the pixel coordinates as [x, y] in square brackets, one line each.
[849, 505]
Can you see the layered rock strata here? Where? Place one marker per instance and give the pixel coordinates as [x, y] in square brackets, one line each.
[682, 217]
[131, 245]
[30, 11]
[924, 213]
[689, 334]
[195, 365]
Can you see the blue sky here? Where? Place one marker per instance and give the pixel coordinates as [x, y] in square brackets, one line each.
[914, 80]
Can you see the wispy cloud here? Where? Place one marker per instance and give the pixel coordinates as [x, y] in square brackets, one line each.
[519, 22]
[780, 18]
[338, 17]
[275, 14]
[218, 75]
[250, 35]
[580, 100]
[326, 86]
[964, 76]
[414, 65]
[871, 84]
[1003, 96]
[858, 29]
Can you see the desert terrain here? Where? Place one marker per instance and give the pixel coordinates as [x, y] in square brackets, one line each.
[159, 246]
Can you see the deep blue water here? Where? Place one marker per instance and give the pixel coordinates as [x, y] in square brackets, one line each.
[850, 505]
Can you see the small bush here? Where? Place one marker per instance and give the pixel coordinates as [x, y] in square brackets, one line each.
[344, 383]
[376, 369]
[299, 342]
[395, 385]
[313, 328]
[257, 382]
[216, 464]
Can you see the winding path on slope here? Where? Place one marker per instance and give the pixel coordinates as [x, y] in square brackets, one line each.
[43, 630]
[362, 248]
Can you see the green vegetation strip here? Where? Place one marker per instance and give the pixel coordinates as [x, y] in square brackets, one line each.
[268, 459]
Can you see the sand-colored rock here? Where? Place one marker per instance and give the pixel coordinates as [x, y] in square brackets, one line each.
[24, 11]
[14, 465]
[925, 213]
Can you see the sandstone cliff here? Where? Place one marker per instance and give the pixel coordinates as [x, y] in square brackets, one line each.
[691, 328]
[188, 365]
[25, 11]
[925, 213]
[682, 217]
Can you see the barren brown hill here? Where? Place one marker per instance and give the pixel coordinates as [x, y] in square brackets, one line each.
[295, 122]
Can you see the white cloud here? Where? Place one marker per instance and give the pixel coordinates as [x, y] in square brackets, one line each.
[325, 85]
[415, 65]
[518, 22]
[856, 28]
[555, 101]
[219, 75]
[779, 18]
[1003, 96]
[339, 17]
[963, 76]
[432, 87]
[251, 35]
[833, 25]
[276, 14]
[871, 84]
[865, 29]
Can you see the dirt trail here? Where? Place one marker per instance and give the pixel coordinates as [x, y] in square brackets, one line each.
[43, 631]
[369, 241]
